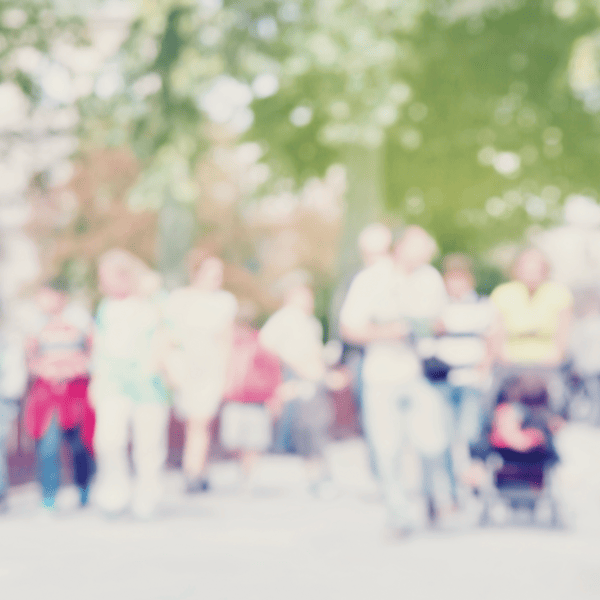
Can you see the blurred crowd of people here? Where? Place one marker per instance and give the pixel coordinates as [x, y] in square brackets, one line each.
[439, 373]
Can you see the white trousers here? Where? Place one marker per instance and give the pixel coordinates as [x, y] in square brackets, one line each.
[114, 486]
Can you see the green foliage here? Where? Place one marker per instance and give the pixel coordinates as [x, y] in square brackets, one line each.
[466, 110]
[32, 26]
[494, 83]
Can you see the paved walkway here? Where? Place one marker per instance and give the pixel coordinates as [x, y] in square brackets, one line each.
[280, 543]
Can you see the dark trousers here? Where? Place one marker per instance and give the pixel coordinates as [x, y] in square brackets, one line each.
[48, 459]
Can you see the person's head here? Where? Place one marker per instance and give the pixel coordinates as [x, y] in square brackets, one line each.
[414, 249]
[295, 288]
[117, 274]
[206, 270]
[149, 282]
[531, 268]
[374, 243]
[301, 297]
[53, 296]
[458, 275]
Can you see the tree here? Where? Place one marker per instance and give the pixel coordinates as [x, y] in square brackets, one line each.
[321, 78]
[496, 138]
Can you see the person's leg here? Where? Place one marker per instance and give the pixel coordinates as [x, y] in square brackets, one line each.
[150, 426]
[111, 438]
[83, 463]
[283, 442]
[195, 452]
[48, 462]
[314, 418]
[384, 421]
[255, 436]
[430, 430]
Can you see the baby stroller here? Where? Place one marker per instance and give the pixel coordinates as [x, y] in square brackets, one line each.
[517, 447]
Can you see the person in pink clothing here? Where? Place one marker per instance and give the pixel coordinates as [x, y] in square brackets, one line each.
[250, 398]
[57, 404]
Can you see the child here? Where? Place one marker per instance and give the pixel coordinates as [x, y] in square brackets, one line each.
[200, 318]
[246, 419]
[57, 405]
[127, 389]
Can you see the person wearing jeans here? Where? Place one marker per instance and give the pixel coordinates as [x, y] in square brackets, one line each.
[57, 402]
[401, 409]
[47, 450]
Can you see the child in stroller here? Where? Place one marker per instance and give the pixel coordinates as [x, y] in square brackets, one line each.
[517, 445]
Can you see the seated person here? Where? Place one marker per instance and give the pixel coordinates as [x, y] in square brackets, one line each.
[520, 430]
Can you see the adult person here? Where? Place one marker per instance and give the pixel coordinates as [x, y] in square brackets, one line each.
[530, 342]
[127, 387]
[532, 330]
[13, 382]
[463, 345]
[295, 336]
[200, 319]
[246, 421]
[57, 406]
[374, 244]
[388, 304]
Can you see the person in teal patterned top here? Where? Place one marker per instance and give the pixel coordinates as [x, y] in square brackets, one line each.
[127, 387]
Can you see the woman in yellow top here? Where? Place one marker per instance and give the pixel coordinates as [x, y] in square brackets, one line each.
[529, 345]
[532, 328]
[534, 315]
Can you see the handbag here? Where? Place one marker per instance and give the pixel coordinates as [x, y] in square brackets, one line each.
[435, 370]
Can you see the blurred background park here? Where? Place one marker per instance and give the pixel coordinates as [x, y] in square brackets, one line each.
[271, 131]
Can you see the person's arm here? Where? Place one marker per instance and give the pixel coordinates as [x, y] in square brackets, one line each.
[497, 339]
[563, 330]
[356, 323]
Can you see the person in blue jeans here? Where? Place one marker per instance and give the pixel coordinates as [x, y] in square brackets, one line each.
[48, 460]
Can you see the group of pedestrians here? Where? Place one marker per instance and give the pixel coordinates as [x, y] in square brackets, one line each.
[437, 356]
[104, 385]
[430, 357]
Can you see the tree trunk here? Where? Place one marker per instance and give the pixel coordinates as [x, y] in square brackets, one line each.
[177, 231]
[365, 203]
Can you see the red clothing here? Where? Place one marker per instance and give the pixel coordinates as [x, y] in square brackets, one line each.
[254, 373]
[68, 400]
[534, 436]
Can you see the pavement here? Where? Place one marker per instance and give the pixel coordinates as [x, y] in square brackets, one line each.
[278, 542]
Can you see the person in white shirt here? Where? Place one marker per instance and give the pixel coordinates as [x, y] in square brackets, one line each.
[388, 305]
[295, 336]
[13, 383]
[200, 319]
[127, 387]
[463, 345]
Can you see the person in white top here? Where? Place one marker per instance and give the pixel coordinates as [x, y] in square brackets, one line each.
[295, 336]
[389, 304]
[200, 318]
[13, 383]
[127, 387]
